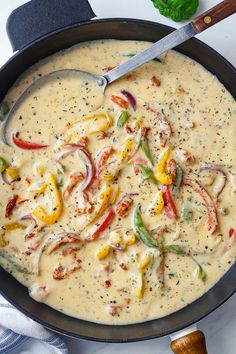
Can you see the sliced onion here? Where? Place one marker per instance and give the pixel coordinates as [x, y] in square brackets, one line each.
[4, 178]
[212, 215]
[130, 98]
[219, 186]
[86, 157]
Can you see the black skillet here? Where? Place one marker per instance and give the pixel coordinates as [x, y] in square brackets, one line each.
[40, 28]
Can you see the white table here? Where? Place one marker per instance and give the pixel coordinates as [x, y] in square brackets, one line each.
[220, 326]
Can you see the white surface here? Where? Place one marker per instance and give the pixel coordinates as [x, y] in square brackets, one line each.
[220, 326]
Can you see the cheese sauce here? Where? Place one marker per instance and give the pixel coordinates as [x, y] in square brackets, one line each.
[88, 230]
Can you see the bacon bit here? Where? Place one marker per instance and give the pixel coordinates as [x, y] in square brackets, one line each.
[83, 141]
[113, 309]
[105, 267]
[166, 130]
[138, 161]
[124, 205]
[185, 156]
[22, 201]
[128, 129]
[108, 68]
[11, 205]
[27, 180]
[144, 132]
[123, 266]
[70, 238]
[102, 157]
[155, 81]
[171, 169]
[128, 301]
[70, 250]
[180, 89]
[104, 135]
[75, 178]
[119, 101]
[89, 204]
[129, 77]
[59, 273]
[107, 283]
[73, 267]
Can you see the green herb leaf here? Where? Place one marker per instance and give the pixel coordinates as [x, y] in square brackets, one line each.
[146, 150]
[3, 164]
[141, 231]
[132, 54]
[147, 172]
[201, 273]
[187, 213]
[122, 119]
[4, 109]
[177, 10]
[176, 249]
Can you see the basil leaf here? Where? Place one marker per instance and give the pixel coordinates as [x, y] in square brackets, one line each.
[176, 249]
[177, 10]
[201, 273]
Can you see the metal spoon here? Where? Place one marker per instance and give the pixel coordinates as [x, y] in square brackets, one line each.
[199, 24]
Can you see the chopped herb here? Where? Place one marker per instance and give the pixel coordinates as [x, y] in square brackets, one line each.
[60, 182]
[132, 54]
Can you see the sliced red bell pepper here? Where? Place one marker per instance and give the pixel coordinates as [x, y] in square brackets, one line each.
[102, 225]
[169, 204]
[26, 145]
[232, 232]
[11, 205]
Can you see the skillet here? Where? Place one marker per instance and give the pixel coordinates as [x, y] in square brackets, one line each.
[61, 24]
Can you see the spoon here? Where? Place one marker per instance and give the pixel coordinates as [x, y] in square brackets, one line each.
[197, 25]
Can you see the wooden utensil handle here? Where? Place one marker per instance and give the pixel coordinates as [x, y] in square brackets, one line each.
[192, 343]
[214, 15]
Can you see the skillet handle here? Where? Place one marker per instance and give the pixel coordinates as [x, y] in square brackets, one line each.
[192, 343]
[216, 14]
[37, 18]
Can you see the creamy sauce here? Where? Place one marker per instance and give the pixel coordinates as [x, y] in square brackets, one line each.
[128, 284]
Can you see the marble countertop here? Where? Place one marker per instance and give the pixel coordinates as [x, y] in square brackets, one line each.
[220, 326]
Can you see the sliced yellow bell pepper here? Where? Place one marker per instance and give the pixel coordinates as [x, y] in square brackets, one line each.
[125, 150]
[40, 189]
[131, 240]
[104, 202]
[103, 252]
[159, 204]
[13, 226]
[159, 171]
[57, 207]
[13, 172]
[105, 120]
[146, 259]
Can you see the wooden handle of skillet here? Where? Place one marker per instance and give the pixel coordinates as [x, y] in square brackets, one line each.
[192, 343]
[214, 15]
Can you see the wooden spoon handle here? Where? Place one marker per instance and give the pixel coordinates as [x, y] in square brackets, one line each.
[192, 343]
[214, 15]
